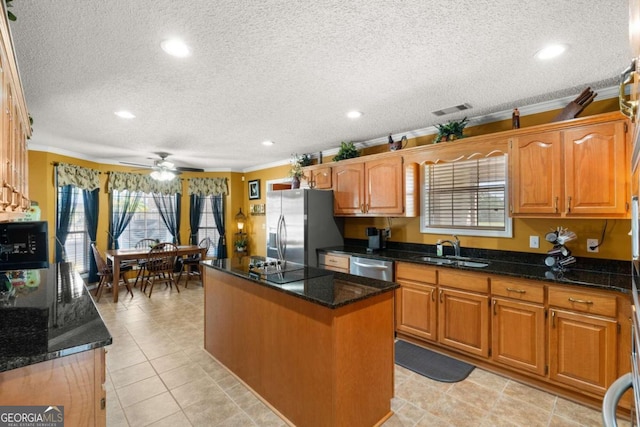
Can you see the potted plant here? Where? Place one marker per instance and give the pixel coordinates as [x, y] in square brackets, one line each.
[240, 243]
[296, 172]
[450, 130]
[347, 151]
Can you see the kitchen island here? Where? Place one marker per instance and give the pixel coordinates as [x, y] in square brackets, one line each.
[317, 347]
[52, 344]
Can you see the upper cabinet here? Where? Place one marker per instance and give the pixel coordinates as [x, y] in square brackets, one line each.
[318, 176]
[14, 131]
[374, 188]
[572, 172]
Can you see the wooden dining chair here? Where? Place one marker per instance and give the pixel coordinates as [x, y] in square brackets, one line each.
[191, 264]
[105, 273]
[160, 266]
[140, 264]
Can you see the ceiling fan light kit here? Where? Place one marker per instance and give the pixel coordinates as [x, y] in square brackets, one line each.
[163, 175]
[163, 169]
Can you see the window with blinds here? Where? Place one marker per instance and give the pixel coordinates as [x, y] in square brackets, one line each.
[467, 198]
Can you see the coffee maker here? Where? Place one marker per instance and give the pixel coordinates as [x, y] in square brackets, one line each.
[376, 238]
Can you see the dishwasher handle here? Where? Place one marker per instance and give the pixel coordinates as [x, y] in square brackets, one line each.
[373, 266]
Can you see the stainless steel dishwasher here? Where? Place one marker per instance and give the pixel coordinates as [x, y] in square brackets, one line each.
[374, 268]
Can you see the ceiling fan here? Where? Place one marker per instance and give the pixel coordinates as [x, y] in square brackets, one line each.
[163, 169]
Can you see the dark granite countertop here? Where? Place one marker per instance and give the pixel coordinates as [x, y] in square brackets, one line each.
[327, 288]
[46, 314]
[589, 272]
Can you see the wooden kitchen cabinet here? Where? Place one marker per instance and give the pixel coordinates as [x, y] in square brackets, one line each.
[15, 128]
[463, 321]
[319, 177]
[573, 172]
[334, 262]
[374, 187]
[416, 302]
[583, 341]
[518, 324]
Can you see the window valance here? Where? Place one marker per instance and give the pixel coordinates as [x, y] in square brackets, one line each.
[121, 181]
[78, 176]
[208, 186]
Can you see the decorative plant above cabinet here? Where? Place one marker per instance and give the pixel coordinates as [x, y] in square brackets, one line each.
[347, 151]
[450, 130]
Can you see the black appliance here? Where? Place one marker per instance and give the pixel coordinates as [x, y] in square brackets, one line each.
[24, 245]
[377, 239]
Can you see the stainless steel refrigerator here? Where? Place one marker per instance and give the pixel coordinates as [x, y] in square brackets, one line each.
[299, 222]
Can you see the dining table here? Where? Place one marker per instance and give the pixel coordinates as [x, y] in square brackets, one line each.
[116, 256]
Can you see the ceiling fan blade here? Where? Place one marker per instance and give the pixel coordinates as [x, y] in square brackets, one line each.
[188, 169]
[137, 164]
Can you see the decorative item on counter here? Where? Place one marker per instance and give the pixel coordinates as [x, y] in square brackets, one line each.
[397, 145]
[450, 131]
[559, 256]
[576, 106]
[515, 119]
[347, 151]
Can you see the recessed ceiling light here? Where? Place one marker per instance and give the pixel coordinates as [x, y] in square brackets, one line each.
[175, 47]
[124, 114]
[267, 143]
[354, 114]
[551, 51]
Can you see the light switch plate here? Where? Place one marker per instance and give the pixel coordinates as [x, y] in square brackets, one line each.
[534, 242]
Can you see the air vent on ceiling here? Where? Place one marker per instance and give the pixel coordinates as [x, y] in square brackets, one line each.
[450, 110]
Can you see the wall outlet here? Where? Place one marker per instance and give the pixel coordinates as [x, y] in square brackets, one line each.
[534, 242]
[592, 243]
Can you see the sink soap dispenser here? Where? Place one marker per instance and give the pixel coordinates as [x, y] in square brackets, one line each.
[439, 250]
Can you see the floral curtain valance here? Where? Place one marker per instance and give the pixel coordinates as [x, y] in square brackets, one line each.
[83, 178]
[121, 181]
[208, 186]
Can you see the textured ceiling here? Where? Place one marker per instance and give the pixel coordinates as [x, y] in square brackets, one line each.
[289, 71]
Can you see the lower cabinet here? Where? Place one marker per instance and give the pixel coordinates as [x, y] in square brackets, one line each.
[564, 338]
[334, 262]
[416, 302]
[583, 339]
[463, 321]
[518, 335]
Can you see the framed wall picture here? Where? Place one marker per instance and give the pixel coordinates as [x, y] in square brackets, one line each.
[254, 189]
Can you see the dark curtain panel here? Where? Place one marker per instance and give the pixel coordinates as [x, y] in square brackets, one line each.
[217, 205]
[195, 213]
[91, 209]
[66, 208]
[123, 206]
[169, 207]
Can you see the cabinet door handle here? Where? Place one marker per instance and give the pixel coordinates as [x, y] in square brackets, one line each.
[569, 204]
[581, 301]
[556, 204]
[553, 319]
[495, 303]
[441, 301]
[520, 291]
[433, 295]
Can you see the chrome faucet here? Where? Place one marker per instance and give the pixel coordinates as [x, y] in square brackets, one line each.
[454, 243]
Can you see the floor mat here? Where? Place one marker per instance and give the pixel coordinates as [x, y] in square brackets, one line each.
[431, 364]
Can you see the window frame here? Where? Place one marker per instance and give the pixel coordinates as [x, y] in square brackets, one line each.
[507, 232]
[145, 199]
[207, 208]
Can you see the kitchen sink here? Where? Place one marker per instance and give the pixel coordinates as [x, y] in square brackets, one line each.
[472, 264]
[452, 260]
[435, 260]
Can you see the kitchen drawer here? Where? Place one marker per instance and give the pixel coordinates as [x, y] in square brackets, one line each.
[334, 262]
[474, 282]
[587, 302]
[415, 272]
[517, 289]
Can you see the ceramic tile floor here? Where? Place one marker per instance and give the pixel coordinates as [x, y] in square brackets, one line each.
[158, 374]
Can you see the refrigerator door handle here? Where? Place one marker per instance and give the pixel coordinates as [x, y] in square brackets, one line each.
[283, 238]
[635, 244]
[279, 237]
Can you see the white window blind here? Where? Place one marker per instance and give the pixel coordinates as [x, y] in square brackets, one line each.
[466, 197]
